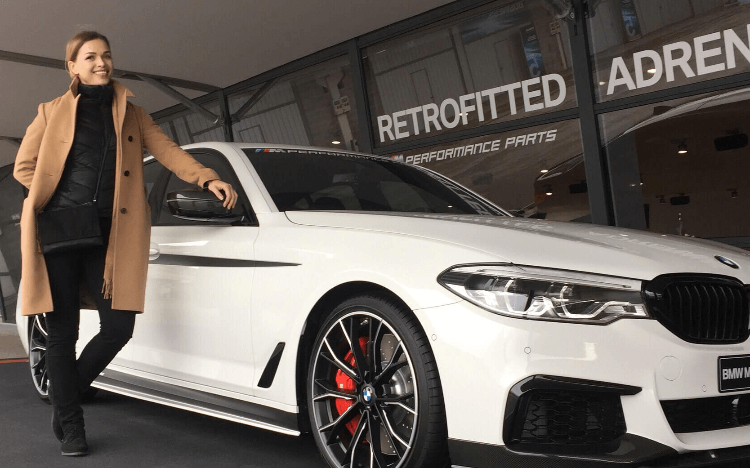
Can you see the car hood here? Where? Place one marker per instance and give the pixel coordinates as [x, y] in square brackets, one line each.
[571, 246]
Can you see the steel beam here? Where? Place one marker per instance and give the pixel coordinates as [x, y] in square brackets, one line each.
[216, 119]
[117, 73]
[237, 116]
[13, 140]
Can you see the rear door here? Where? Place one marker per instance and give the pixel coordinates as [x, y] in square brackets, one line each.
[196, 327]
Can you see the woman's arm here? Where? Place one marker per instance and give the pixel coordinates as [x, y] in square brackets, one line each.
[180, 162]
[27, 155]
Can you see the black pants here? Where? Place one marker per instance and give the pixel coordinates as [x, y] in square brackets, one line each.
[69, 377]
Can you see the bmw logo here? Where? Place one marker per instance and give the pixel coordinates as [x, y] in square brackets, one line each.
[727, 262]
[367, 394]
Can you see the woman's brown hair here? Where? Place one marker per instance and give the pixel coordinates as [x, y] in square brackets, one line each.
[75, 43]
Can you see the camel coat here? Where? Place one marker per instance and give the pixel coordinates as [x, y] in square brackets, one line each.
[39, 166]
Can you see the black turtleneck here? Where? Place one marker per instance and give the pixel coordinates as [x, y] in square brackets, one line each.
[94, 129]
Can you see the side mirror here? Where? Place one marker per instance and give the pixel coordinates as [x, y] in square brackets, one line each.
[200, 205]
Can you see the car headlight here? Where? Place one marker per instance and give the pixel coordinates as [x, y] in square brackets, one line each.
[545, 294]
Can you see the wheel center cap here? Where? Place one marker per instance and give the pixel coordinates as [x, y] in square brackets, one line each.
[368, 394]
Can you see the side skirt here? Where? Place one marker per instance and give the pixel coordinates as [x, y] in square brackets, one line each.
[216, 406]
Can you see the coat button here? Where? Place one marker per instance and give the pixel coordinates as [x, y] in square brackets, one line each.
[123, 210]
[127, 173]
[130, 138]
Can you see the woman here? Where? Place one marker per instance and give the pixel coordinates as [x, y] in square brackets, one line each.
[85, 144]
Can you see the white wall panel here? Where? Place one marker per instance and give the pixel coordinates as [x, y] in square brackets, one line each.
[397, 92]
[656, 14]
[280, 125]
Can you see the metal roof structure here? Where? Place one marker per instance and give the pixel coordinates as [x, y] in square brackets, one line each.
[194, 47]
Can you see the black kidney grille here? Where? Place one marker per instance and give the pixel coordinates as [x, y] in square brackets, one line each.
[707, 414]
[701, 309]
[571, 418]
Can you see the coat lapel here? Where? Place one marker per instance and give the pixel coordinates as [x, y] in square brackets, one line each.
[119, 105]
[64, 118]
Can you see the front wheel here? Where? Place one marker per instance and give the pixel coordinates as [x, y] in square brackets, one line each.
[38, 356]
[38, 361]
[373, 389]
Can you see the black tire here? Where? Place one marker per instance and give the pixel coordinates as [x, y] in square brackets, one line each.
[38, 361]
[376, 413]
[38, 356]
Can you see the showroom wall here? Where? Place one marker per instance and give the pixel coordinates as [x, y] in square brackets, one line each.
[619, 112]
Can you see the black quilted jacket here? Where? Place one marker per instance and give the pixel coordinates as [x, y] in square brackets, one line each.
[94, 128]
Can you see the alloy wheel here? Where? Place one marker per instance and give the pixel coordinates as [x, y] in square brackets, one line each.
[38, 356]
[364, 394]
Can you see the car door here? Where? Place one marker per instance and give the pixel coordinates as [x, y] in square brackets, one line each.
[195, 330]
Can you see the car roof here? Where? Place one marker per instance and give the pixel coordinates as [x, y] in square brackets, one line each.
[219, 145]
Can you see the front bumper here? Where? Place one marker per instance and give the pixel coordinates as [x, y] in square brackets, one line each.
[634, 451]
[481, 356]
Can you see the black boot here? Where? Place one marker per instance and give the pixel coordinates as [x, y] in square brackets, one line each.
[74, 441]
[56, 426]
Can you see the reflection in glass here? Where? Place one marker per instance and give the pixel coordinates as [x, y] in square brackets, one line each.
[535, 172]
[642, 46]
[311, 107]
[190, 127]
[680, 167]
[12, 194]
[504, 61]
[321, 180]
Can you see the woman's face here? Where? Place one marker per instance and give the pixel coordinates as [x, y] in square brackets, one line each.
[93, 65]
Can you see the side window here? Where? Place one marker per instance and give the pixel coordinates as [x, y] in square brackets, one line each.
[153, 178]
[218, 163]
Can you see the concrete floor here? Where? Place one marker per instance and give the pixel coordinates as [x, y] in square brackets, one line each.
[125, 433]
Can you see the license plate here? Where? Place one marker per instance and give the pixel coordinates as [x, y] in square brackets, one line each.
[734, 373]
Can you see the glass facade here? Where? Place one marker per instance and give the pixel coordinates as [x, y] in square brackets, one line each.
[535, 172]
[192, 127]
[641, 46]
[501, 62]
[313, 107]
[622, 112]
[12, 195]
[680, 166]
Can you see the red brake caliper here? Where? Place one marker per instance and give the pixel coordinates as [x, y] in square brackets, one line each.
[347, 385]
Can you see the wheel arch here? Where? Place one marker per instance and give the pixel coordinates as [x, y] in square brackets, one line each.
[314, 320]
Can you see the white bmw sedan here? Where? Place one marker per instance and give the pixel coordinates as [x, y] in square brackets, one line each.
[407, 322]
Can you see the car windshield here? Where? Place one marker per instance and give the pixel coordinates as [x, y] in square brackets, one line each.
[320, 180]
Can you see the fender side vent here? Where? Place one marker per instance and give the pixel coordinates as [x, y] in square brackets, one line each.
[266, 379]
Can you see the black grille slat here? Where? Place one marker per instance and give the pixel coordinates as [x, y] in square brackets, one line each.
[742, 319]
[714, 324]
[721, 304]
[700, 308]
[713, 300]
[696, 306]
[736, 318]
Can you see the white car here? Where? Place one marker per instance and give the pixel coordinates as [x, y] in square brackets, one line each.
[407, 322]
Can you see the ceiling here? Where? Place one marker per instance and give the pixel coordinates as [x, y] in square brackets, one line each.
[216, 42]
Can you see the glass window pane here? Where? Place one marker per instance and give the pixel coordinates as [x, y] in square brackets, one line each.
[190, 127]
[311, 107]
[680, 167]
[639, 46]
[536, 172]
[12, 195]
[153, 173]
[319, 180]
[504, 61]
